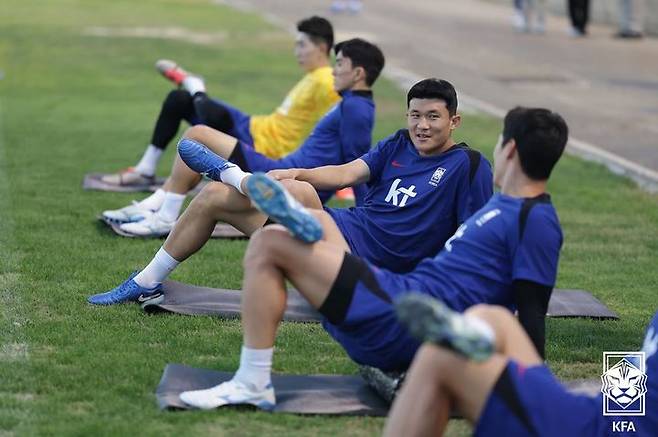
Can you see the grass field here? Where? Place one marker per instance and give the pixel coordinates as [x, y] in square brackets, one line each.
[73, 102]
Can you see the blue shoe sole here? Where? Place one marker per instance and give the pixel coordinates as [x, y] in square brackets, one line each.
[429, 320]
[200, 159]
[270, 198]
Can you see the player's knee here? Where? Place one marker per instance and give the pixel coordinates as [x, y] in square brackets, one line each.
[300, 190]
[198, 132]
[265, 246]
[177, 99]
[214, 195]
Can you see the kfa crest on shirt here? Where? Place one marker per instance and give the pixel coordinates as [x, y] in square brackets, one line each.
[398, 195]
[436, 176]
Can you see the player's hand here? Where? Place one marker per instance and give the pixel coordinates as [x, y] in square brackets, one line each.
[279, 175]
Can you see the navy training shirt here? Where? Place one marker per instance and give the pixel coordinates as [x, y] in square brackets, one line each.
[342, 135]
[414, 203]
[499, 244]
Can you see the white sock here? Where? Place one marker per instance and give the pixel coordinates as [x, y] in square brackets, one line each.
[234, 176]
[193, 85]
[255, 367]
[154, 201]
[149, 161]
[157, 270]
[171, 206]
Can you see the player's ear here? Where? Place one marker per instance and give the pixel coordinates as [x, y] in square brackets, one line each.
[324, 48]
[455, 121]
[510, 148]
[360, 74]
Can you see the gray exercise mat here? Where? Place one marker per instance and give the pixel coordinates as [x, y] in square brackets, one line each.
[304, 394]
[578, 303]
[222, 230]
[300, 394]
[92, 181]
[190, 299]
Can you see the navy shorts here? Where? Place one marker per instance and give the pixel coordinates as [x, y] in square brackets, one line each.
[347, 224]
[359, 314]
[530, 401]
[248, 159]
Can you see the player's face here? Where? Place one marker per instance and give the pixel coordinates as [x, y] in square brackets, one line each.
[308, 54]
[345, 77]
[430, 125]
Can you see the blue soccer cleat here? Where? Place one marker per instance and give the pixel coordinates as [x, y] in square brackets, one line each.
[272, 199]
[128, 291]
[202, 160]
[429, 319]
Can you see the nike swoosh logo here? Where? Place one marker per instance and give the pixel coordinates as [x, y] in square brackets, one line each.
[394, 163]
[142, 299]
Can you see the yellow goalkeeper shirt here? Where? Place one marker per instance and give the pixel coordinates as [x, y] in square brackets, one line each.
[279, 133]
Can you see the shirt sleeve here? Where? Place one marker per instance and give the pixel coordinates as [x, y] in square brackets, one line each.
[538, 251]
[476, 192]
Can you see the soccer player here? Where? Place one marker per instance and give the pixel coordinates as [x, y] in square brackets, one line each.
[421, 187]
[342, 135]
[273, 135]
[506, 253]
[483, 365]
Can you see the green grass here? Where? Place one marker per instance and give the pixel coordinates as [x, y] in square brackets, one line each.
[72, 103]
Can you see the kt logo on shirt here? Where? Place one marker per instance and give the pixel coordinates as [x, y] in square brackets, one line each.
[394, 193]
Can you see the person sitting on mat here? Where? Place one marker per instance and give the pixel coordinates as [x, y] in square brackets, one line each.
[421, 187]
[342, 135]
[506, 254]
[274, 135]
[483, 365]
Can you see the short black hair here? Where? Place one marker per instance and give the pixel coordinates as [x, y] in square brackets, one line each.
[363, 54]
[319, 30]
[540, 136]
[433, 88]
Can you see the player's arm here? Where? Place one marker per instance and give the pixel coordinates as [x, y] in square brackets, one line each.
[329, 177]
[534, 270]
[531, 301]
